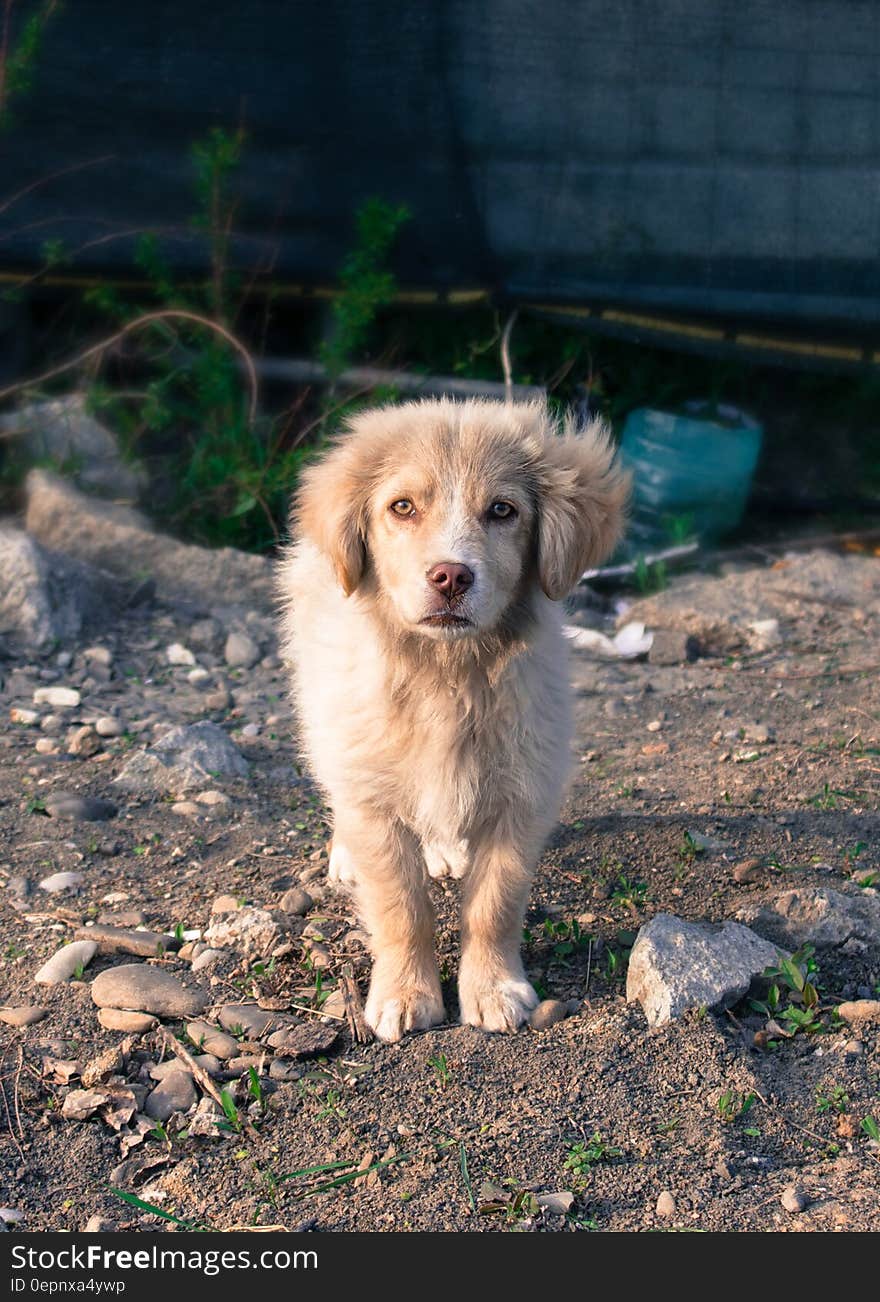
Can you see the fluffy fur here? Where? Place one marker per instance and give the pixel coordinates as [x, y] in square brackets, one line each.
[439, 724]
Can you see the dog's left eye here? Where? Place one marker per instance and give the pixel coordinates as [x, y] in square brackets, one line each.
[501, 511]
[403, 506]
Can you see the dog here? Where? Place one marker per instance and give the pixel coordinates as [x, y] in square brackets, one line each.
[431, 548]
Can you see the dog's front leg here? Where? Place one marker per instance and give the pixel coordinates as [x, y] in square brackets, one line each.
[493, 990]
[392, 897]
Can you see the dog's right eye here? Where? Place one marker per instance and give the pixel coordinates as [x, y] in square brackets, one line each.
[402, 507]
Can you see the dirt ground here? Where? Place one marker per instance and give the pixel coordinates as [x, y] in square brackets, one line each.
[475, 1129]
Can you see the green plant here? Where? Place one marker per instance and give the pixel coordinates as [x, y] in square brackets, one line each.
[649, 577]
[629, 894]
[18, 60]
[731, 1105]
[197, 1227]
[836, 1099]
[255, 1088]
[797, 976]
[233, 1121]
[440, 1064]
[587, 1153]
[870, 1127]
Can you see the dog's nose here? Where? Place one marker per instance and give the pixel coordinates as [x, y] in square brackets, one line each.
[450, 579]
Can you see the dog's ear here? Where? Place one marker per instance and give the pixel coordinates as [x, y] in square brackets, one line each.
[330, 510]
[582, 497]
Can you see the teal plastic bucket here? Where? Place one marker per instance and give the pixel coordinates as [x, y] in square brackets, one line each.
[691, 475]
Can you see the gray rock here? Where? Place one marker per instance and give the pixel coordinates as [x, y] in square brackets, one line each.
[122, 1019]
[548, 1013]
[45, 597]
[245, 1017]
[64, 962]
[817, 916]
[794, 1199]
[118, 940]
[63, 431]
[253, 931]
[241, 651]
[123, 542]
[140, 987]
[207, 1061]
[184, 758]
[676, 965]
[672, 647]
[174, 1093]
[209, 1039]
[296, 901]
[88, 809]
[666, 1205]
[57, 882]
[109, 726]
[206, 959]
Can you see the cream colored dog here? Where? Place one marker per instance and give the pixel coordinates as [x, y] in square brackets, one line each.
[431, 547]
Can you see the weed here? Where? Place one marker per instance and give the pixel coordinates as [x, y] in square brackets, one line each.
[198, 1227]
[255, 1088]
[440, 1064]
[629, 895]
[233, 1121]
[797, 976]
[871, 1129]
[649, 578]
[836, 1099]
[465, 1175]
[585, 1154]
[17, 62]
[731, 1105]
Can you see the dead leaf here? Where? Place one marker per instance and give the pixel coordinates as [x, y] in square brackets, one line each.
[82, 1104]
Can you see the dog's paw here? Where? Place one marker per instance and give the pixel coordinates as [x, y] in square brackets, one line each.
[393, 1009]
[500, 1004]
[341, 870]
[447, 860]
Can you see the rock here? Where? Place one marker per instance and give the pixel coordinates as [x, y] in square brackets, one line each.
[206, 959]
[174, 1093]
[676, 965]
[252, 931]
[219, 700]
[106, 1064]
[547, 1013]
[205, 634]
[704, 844]
[748, 871]
[45, 598]
[303, 1041]
[250, 1019]
[65, 961]
[214, 799]
[46, 746]
[109, 726]
[79, 1105]
[794, 1199]
[176, 654]
[296, 901]
[122, 542]
[672, 647]
[184, 758]
[22, 1015]
[24, 718]
[83, 742]
[141, 987]
[817, 916]
[859, 1010]
[117, 940]
[209, 1039]
[558, 1203]
[186, 809]
[55, 883]
[282, 1069]
[207, 1061]
[98, 1225]
[98, 655]
[121, 1019]
[88, 809]
[666, 1205]
[241, 651]
[225, 904]
[63, 698]
[63, 431]
[127, 918]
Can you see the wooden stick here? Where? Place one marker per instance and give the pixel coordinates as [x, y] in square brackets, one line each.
[201, 1075]
[354, 1009]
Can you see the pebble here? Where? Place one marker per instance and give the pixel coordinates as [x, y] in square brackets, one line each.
[109, 726]
[23, 1015]
[219, 700]
[26, 718]
[177, 654]
[296, 901]
[174, 1093]
[860, 1010]
[853, 1049]
[211, 1040]
[46, 746]
[57, 882]
[98, 655]
[241, 651]
[666, 1205]
[547, 1014]
[83, 742]
[793, 1199]
[747, 871]
[90, 809]
[61, 698]
[51, 723]
[251, 730]
[655, 725]
[214, 799]
[122, 1019]
[186, 809]
[128, 918]
[205, 634]
[118, 940]
[138, 986]
[283, 1069]
[208, 1062]
[97, 1225]
[225, 904]
[206, 959]
[245, 1017]
[198, 676]
[64, 962]
[106, 1064]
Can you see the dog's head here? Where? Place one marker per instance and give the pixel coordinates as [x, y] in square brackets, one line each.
[447, 512]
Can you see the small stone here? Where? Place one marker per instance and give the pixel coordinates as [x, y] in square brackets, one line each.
[219, 700]
[656, 748]
[225, 904]
[97, 1225]
[205, 634]
[282, 1069]
[853, 1049]
[205, 959]
[794, 1199]
[758, 732]
[198, 677]
[25, 718]
[141, 987]
[109, 726]
[241, 651]
[247, 929]
[296, 901]
[83, 742]
[250, 731]
[558, 1203]
[55, 883]
[547, 1014]
[22, 1015]
[98, 655]
[250, 1019]
[64, 962]
[60, 698]
[672, 647]
[214, 799]
[666, 1205]
[89, 809]
[859, 1010]
[211, 1040]
[174, 1093]
[46, 746]
[304, 1041]
[184, 758]
[747, 871]
[106, 1064]
[177, 654]
[655, 725]
[186, 809]
[121, 1019]
[817, 916]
